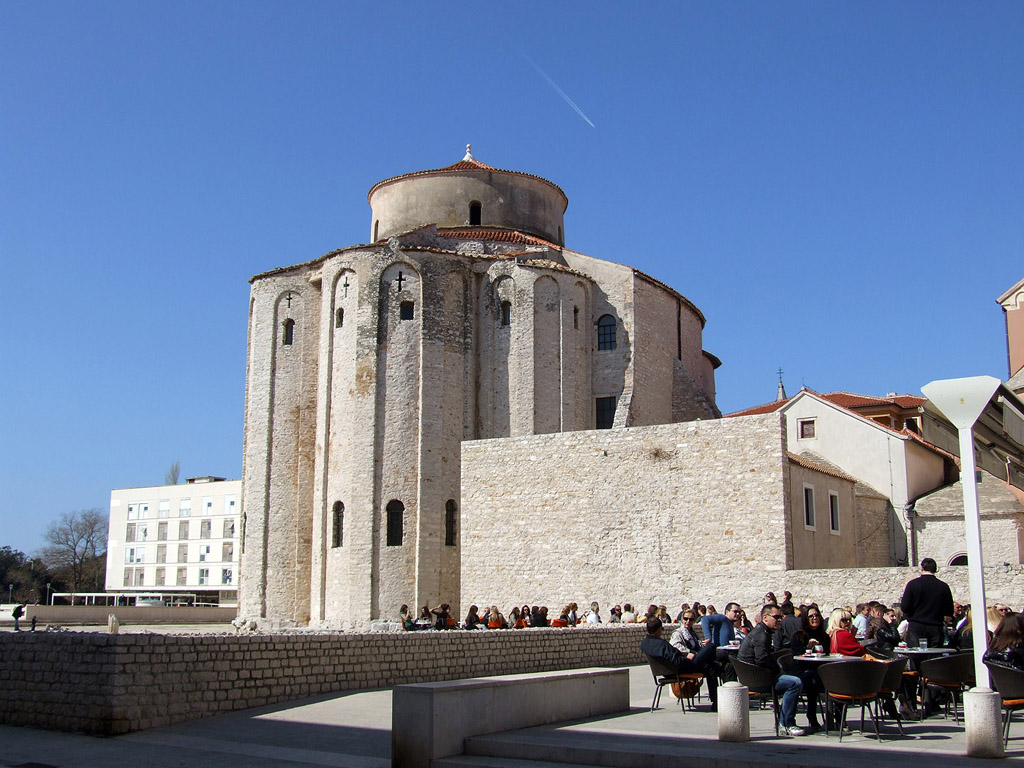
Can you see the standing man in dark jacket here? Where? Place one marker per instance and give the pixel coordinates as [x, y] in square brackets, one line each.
[757, 650]
[926, 604]
[700, 662]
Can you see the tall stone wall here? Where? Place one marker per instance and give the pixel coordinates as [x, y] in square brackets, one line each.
[624, 515]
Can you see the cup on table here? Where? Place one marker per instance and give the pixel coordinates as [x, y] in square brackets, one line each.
[922, 643]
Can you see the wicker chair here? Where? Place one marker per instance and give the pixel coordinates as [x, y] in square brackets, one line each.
[853, 682]
[891, 684]
[1009, 681]
[760, 683]
[665, 675]
[954, 674]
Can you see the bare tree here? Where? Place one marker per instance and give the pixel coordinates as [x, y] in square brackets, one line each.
[171, 478]
[75, 541]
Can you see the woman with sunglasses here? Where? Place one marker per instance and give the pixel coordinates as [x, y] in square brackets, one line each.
[812, 632]
[840, 626]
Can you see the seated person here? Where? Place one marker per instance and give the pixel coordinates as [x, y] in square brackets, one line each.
[408, 622]
[700, 662]
[1007, 647]
[495, 620]
[757, 650]
[720, 630]
[791, 624]
[442, 614]
[812, 633]
[881, 630]
[628, 615]
[840, 624]
[425, 620]
[472, 618]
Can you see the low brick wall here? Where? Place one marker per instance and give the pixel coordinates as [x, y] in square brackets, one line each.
[129, 614]
[113, 684]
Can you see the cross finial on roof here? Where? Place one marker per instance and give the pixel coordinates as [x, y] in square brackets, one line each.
[780, 395]
[469, 155]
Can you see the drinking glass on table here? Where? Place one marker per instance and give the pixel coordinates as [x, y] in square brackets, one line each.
[923, 643]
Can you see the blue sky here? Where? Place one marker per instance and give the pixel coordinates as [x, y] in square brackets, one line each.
[838, 186]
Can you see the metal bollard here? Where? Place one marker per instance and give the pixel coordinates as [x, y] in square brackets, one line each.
[733, 712]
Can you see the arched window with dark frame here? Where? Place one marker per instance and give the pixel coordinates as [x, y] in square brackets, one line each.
[289, 332]
[339, 317]
[395, 522]
[474, 214]
[506, 313]
[606, 332]
[450, 531]
[338, 525]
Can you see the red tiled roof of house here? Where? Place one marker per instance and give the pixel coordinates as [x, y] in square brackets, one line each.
[853, 400]
[807, 463]
[759, 409]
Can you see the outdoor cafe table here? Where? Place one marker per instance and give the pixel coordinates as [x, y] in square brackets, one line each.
[824, 658]
[917, 655]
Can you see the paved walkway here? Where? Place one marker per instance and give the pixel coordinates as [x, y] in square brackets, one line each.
[353, 730]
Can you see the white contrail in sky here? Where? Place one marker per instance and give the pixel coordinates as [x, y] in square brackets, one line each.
[559, 91]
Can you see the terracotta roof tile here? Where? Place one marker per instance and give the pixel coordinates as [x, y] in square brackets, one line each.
[820, 465]
[493, 234]
[759, 409]
[853, 400]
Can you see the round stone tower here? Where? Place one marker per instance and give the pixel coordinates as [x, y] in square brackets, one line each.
[468, 193]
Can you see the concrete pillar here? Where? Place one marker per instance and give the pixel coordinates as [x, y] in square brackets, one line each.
[733, 712]
[984, 723]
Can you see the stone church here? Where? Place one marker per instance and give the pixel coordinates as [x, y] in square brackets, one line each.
[465, 317]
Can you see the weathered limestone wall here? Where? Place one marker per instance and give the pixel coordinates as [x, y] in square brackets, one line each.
[623, 515]
[111, 684]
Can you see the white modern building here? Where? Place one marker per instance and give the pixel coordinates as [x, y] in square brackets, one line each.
[176, 540]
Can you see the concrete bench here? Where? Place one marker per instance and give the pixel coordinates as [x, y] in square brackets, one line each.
[432, 720]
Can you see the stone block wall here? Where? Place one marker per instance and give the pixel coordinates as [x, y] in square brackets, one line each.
[623, 515]
[112, 684]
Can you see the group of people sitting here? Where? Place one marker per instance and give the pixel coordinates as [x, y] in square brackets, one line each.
[705, 641]
[441, 617]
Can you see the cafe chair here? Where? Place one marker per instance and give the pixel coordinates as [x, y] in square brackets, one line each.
[954, 674]
[760, 683]
[1009, 682]
[688, 682]
[890, 689]
[852, 682]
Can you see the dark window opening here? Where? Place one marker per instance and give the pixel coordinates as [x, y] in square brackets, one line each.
[396, 520]
[449, 523]
[339, 318]
[606, 332]
[959, 560]
[376, 229]
[576, 318]
[406, 311]
[605, 412]
[289, 332]
[474, 214]
[806, 429]
[506, 313]
[808, 507]
[561, 240]
[338, 529]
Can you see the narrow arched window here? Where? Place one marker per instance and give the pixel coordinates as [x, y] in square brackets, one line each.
[376, 229]
[575, 318]
[289, 332]
[449, 523]
[338, 525]
[506, 313]
[474, 214]
[396, 521]
[606, 332]
[339, 318]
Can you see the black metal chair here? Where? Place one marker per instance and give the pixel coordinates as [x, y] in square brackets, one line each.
[1009, 682]
[665, 675]
[760, 683]
[891, 684]
[954, 674]
[852, 682]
